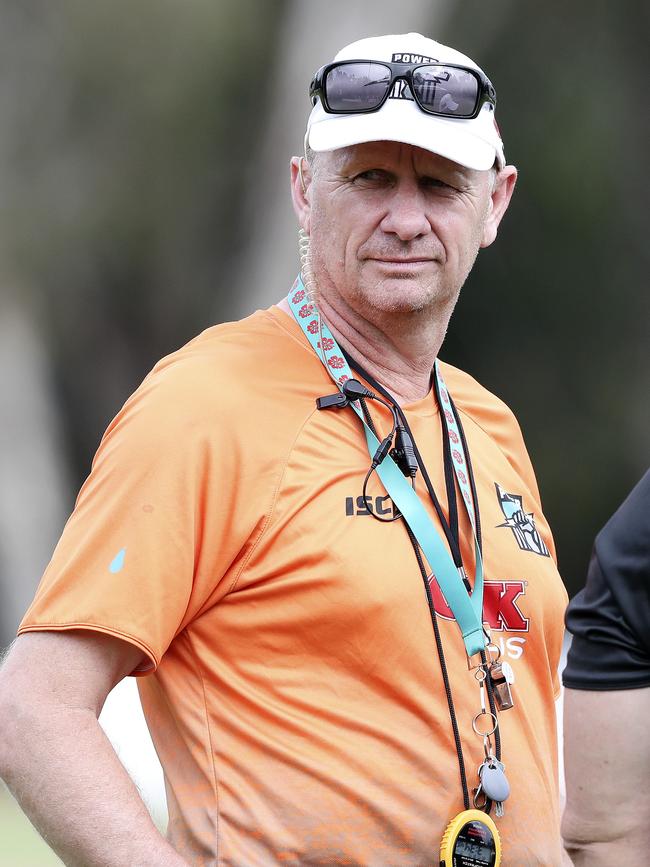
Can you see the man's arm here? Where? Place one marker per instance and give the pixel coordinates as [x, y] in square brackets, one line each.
[607, 768]
[58, 762]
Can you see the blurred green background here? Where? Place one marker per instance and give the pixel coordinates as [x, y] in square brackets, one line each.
[144, 196]
[20, 845]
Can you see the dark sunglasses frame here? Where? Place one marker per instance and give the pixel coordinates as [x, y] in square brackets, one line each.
[404, 71]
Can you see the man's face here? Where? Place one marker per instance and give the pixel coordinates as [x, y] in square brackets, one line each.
[394, 227]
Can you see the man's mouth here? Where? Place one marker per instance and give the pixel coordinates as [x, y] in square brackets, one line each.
[400, 261]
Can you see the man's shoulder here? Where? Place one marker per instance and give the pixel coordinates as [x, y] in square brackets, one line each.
[240, 347]
[235, 360]
[494, 418]
[229, 375]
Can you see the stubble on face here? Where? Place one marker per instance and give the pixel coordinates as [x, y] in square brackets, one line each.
[395, 230]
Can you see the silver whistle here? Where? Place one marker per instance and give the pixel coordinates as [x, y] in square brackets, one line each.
[500, 687]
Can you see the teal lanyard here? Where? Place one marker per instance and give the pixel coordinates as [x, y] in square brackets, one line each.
[467, 608]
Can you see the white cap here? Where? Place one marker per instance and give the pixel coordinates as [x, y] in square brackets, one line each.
[474, 143]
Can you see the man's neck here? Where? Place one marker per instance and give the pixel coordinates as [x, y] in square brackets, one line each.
[398, 350]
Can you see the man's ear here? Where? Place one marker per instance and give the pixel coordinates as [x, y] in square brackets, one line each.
[502, 190]
[301, 178]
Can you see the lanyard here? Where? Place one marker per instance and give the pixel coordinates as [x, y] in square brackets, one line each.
[467, 609]
[450, 524]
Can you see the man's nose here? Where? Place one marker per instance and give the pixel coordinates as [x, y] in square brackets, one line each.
[405, 213]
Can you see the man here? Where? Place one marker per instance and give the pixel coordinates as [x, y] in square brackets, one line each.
[607, 695]
[304, 678]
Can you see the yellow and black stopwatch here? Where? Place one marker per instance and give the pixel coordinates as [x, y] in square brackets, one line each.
[470, 840]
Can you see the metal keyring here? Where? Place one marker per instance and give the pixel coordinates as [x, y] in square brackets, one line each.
[489, 649]
[494, 726]
[476, 793]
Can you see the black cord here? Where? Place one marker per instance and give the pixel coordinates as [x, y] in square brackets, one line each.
[432, 611]
[367, 416]
[470, 473]
[443, 669]
[369, 421]
[434, 619]
[451, 530]
[450, 482]
[487, 807]
[366, 497]
[454, 547]
[477, 515]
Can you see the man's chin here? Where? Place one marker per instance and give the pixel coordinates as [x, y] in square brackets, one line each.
[406, 293]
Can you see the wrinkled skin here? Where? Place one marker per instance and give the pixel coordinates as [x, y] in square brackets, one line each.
[395, 228]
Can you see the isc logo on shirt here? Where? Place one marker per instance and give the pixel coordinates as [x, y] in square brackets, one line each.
[360, 506]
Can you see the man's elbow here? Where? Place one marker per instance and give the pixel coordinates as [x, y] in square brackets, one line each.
[597, 842]
[575, 841]
[583, 840]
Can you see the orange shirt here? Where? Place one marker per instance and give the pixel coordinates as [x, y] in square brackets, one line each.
[294, 693]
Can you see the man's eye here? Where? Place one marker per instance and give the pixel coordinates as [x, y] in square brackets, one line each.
[373, 176]
[434, 183]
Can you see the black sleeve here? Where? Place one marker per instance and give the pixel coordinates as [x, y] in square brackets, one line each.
[610, 617]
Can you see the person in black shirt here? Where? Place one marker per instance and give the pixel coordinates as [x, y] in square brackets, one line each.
[607, 696]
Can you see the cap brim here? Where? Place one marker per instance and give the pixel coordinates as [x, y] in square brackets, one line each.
[403, 121]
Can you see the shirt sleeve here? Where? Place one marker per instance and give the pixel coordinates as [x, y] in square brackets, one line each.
[610, 617]
[158, 526]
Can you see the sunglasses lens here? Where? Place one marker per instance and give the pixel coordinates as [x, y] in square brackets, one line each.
[445, 90]
[356, 86]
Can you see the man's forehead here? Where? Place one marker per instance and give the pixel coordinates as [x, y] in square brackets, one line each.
[392, 153]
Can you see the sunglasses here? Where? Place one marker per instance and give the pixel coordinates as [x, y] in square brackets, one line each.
[442, 89]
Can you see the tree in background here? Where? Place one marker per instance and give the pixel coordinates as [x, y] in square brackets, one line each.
[558, 321]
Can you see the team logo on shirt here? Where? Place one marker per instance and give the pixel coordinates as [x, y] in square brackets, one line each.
[500, 605]
[520, 522]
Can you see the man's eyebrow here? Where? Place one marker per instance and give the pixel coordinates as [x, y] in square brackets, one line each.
[357, 164]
